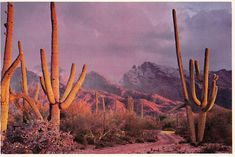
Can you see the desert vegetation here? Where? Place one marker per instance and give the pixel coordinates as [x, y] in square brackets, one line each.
[50, 119]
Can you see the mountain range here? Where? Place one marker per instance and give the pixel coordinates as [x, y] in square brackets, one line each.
[157, 87]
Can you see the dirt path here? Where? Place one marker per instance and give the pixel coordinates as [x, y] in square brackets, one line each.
[167, 143]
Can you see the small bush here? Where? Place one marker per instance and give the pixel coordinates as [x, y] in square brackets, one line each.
[37, 137]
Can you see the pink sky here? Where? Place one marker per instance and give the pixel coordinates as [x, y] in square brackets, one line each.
[112, 37]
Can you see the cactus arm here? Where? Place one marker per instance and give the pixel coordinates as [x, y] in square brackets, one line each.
[42, 82]
[23, 70]
[11, 70]
[75, 89]
[197, 68]
[37, 92]
[8, 40]
[49, 91]
[192, 83]
[30, 101]
[69, 83]
[205, 79]
[213, 94]
[54, 54]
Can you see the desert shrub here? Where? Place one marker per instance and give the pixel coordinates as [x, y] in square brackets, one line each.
[219, 127]
[107, 129]
[214, 148]
[37, 137]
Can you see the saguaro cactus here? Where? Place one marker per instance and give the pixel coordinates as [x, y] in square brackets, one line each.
[205, 104]
[187, 105]
[130, 104]
[24, 85]
[96, 102]
[50, 84]
[8, 68]
[142, 110]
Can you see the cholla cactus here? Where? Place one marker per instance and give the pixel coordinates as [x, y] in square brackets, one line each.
[205, 104]
[50, 84]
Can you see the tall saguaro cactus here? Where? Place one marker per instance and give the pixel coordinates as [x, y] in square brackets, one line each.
[8, 67]
[205, 104]
[50, 84]
[187, 105]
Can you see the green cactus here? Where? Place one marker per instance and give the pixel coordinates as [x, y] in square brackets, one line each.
[50, 83]
[130, 104]
[96, 102]
[205, 104]
[187, 105]
[142, 110]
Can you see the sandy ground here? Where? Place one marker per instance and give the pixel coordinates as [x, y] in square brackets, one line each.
[167, 143]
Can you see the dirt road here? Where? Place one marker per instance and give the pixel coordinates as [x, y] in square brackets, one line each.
[167, 143]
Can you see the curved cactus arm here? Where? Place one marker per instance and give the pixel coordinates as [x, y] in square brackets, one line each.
[213, 94]
[176, 108]
[65, 104]
[197, 68]
[11, 69]
[37, 92]
[30, 101]
[205, 79]
[192, 83]
[70, 82]
[42, 82]
[47, 80]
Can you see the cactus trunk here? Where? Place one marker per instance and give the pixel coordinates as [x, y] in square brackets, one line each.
[54, 54]
[189, 112]
[6, 65]
[201, 126]
[54, 114]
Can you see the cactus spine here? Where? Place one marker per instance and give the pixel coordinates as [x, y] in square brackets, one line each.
[205, 105]
[8, 67]
[50, 84]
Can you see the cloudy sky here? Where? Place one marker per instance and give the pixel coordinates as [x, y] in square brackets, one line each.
[112, 37]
